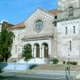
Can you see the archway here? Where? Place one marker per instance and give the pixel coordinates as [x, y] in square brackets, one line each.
[37, 52]
[45, 50]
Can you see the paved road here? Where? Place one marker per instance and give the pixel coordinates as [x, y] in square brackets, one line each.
[14, 76]
[32, 78]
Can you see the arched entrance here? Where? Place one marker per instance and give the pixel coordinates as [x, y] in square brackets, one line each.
[37, 52]
[45, 50]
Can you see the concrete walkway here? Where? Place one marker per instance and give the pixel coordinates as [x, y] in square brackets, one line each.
[43, 72]
[50, 72]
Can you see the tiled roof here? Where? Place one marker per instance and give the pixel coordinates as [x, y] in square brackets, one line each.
[18, 25]
[54, 12]
[37, 36]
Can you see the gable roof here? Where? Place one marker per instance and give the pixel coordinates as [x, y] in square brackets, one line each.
[51, 12]
[20, 25]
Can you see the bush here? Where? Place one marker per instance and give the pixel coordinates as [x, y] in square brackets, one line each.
[73, 63]
[69, 62]
[55, 61]
[26, 53]
[64, 62]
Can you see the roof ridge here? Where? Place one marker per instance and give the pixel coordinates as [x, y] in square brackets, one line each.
[21, 24]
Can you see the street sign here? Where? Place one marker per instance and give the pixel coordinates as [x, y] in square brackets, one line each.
[68, 56]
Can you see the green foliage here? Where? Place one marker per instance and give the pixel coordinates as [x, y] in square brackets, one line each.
[26, 53]
[6, 40]
[64, 62]
[73, 63]
[68, 62]
[55, 61]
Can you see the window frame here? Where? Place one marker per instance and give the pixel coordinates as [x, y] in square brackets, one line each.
[73, 29]
[66, 29]
[71, 11]
[70, 45]
[38, 25]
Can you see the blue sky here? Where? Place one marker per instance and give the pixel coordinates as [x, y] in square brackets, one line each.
[16, 11]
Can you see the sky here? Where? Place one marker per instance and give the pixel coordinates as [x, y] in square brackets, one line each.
[16, 11]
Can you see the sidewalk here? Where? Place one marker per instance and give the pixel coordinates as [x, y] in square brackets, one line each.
[48, 69]
[51, 72]
[43, 72]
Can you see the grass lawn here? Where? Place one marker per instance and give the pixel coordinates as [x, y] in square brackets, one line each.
[56, 67]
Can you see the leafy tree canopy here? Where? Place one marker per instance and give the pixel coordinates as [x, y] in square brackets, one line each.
[26, 53]
[6, 40]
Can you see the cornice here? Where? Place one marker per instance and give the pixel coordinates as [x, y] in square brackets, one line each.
[38, 37]
[60, 11]
[66, 19]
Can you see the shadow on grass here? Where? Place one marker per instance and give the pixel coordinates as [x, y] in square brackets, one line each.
[32, 66]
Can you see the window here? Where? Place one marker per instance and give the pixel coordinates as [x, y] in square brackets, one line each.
[39, 25]
[66, 29]
[70, 11]
[73, 29]
[55, 17]
[70, 45]
[15, 48]
[5, 24]
[18, 49]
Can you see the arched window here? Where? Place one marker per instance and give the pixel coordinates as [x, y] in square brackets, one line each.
[39, 25]
[70, 45]
[73, 29]
[70, 11]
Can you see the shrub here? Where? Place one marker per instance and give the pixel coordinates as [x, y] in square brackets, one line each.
[55, 61]
[73, 63]
[64, 62]
[26, 53]
[69, 62]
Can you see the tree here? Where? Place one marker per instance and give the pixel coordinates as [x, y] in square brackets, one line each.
[26, 53]
[6, 40]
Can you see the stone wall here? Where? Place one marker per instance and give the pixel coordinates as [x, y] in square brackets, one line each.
[63, 39]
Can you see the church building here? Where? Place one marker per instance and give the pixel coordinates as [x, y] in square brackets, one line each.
[50, 34]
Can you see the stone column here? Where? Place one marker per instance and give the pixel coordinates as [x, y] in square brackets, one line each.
[40, 51]
[34, 51]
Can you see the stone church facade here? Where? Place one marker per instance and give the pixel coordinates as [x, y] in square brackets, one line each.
[68, 29]
[50, 34]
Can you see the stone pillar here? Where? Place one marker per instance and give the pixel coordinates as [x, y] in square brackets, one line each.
[55, 43]
[42, 51]
[34, 51]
